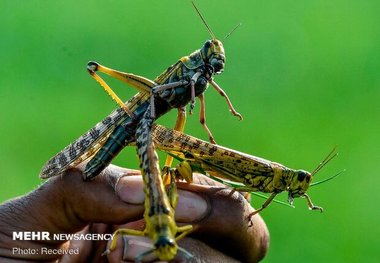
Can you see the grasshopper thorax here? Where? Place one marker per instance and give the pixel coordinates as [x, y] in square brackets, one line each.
[213, 55]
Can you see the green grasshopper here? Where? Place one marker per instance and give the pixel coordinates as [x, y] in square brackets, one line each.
[254, 174]
[174, 88]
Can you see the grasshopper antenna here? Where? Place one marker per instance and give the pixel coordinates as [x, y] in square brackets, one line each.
[325, 161]
[233, 30]
[204, 21]
[328, 179]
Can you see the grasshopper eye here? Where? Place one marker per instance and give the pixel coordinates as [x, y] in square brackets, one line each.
[301, 175]
[207, 44]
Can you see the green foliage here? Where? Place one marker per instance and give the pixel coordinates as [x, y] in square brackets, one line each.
[303, 73]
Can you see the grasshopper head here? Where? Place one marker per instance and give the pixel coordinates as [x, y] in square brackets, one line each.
[162, 228]
[302, 180]
[300, 183]
[299, 186]
[212, 51]
[166, 248]
[213, 55]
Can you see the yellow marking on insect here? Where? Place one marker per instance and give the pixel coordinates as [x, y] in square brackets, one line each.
[111, 93]
[255, 173]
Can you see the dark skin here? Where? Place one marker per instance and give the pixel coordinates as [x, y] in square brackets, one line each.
[114, 199]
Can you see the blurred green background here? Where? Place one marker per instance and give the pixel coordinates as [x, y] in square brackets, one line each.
[303, 73]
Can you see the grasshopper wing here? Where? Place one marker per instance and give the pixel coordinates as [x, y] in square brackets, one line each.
[84, 147]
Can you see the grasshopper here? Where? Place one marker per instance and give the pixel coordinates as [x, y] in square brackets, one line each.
[253, 173]
[174, 88]
[159, 208]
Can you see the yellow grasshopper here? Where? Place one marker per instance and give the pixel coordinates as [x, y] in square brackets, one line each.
[254, 174]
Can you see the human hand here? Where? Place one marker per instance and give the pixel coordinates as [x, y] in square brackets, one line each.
[68, 205]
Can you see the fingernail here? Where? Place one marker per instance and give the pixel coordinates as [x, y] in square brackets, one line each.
[191, 207]
[135, 246]
[130, 189]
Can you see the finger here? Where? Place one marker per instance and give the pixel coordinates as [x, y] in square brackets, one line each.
[130, 247]
[81, 250]
[191, 207]
[93, 201]
[204, 253]
[217, 213]
[116, 256]
[112, 170]
[227, 221]
[205, 180]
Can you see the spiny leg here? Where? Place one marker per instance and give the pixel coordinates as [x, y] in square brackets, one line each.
[138, 82]
[267, 202]
[135, 81]
[91, 69]
[224, 94]
[202, 118]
